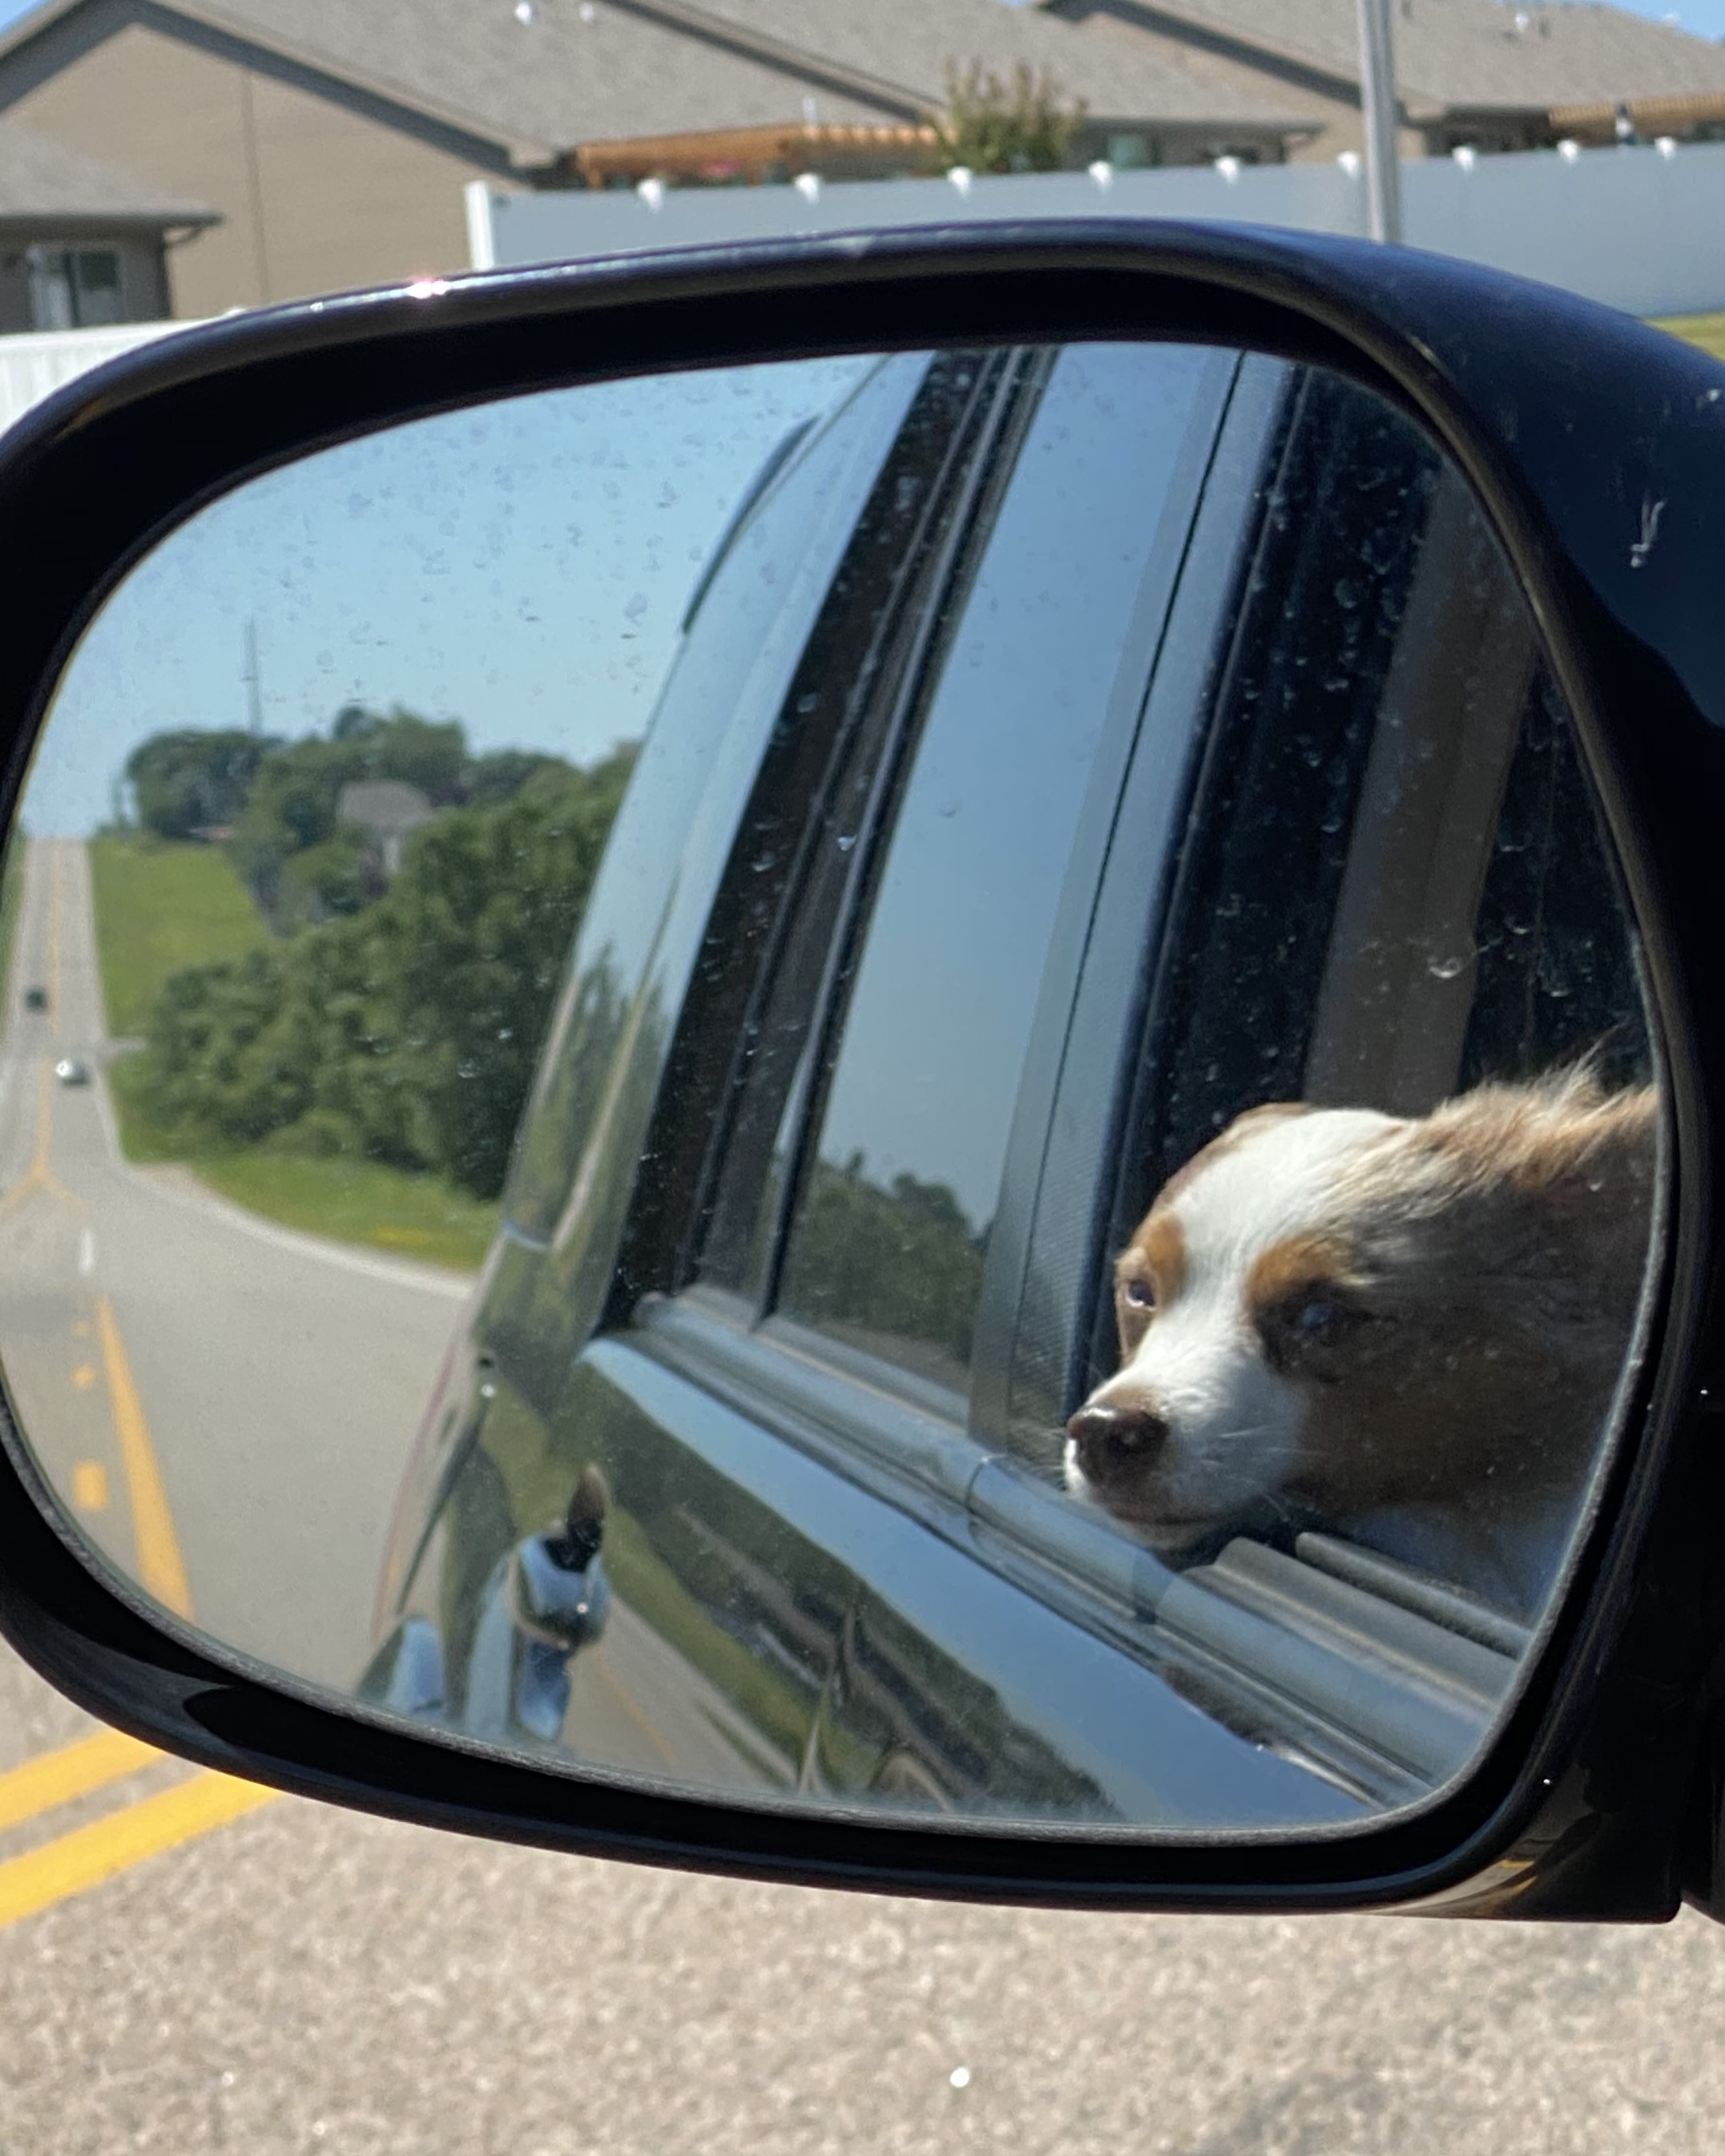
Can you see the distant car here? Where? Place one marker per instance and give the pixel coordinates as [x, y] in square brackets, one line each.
[36, 999]
[71, 1071]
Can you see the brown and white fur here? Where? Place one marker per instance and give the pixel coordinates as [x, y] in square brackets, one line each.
[1406, 1328]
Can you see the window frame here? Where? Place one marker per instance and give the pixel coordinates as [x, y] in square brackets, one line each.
[1306, 1680]
[662, 1262]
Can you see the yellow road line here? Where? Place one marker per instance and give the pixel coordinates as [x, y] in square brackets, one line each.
[40, 1176]
[35, 1176]
[161, 1570]
[90, 1854]
[42, 1785]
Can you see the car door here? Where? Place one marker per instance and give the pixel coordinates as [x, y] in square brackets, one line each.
[783, 1427]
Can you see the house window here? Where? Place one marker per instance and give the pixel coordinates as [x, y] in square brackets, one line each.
[74, 288]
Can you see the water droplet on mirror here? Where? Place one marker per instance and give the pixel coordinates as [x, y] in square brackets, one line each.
[845, 841]
[1445, 969]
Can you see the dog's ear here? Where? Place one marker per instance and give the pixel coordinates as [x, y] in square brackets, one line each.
[1586, 1159]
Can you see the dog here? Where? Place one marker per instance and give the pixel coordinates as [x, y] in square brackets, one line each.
[1404, 1329]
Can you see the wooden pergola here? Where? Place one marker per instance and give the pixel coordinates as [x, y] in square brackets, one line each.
[1647, 115]
[713, 156]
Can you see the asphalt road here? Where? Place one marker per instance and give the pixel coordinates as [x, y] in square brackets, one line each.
[295, 1978]
[226, 1406]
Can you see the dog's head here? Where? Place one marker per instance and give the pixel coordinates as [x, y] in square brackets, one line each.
[1328, 1311]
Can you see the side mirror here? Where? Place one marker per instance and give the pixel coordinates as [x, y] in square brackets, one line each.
[890, 1064]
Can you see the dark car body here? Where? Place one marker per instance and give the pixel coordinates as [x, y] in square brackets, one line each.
[837, 1557]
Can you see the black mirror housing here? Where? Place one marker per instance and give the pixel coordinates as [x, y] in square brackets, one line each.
[1596, 450]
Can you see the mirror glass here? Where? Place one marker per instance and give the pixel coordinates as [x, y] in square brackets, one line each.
[911, 1082]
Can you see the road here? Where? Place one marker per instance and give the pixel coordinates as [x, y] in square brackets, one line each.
[225, 1406]
[188, 1966]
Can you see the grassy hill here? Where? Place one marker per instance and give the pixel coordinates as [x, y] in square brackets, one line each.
[159, 907]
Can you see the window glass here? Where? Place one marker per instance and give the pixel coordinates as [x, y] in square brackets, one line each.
[96, 276]
[888, 1244]
[74, 287]
[827, 786]
[743, 637]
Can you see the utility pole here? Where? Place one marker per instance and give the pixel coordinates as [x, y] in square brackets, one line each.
[1376, 99]
[253, 683]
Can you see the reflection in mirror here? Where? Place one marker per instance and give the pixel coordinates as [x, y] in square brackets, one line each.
[911, 1082]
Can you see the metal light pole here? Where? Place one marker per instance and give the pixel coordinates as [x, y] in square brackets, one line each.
[1376, 99]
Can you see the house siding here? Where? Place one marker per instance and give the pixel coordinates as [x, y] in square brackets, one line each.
[314, 196]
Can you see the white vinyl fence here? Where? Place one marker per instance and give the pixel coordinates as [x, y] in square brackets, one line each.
[36, 362]
[1640, 227]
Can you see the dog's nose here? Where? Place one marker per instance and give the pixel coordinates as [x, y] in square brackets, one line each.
[1110, 1442]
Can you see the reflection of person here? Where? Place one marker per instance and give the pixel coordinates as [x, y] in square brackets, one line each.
[584, 1525]
[1408, 1329]
[558, 1598]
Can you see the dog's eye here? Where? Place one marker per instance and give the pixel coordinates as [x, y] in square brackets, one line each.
[1317, 1324]
[1139, 1294]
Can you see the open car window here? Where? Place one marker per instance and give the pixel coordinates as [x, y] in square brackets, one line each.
[1151, 790]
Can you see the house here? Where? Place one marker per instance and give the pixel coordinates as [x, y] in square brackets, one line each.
[1469, 73]
[82, 244]
[334, 136]
[386, 812]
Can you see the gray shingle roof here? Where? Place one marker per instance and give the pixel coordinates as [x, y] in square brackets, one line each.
[387, 806]
[597, 70]
[41, 178]
[1477, 54]
[916, 40]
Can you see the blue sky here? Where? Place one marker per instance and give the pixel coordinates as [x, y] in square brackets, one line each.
[522, 567]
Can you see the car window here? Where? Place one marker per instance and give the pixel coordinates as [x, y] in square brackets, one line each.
[745, 1016]
[1395, 891]
[886, 1239]
[744, 628]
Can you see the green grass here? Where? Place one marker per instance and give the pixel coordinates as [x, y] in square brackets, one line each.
[1707, 330]
[141, 1138]
[159, 908]
[351, 1201]
[358, 1201]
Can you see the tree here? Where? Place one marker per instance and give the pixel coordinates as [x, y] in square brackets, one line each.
[990, 126]
[292, 807]
[187, 784]
[408, 1032]
[501, 774]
